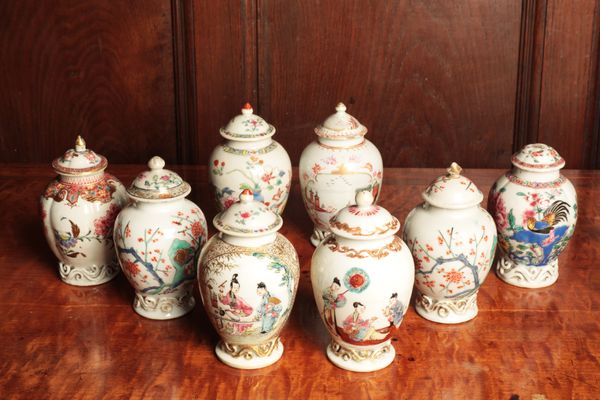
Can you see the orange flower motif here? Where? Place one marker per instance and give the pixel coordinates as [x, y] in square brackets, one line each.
[428, 247]
[453, 276]
[440, 240]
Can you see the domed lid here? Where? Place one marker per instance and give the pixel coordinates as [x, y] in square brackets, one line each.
[79, 161]
[538, 157]
[452, 190]
[364, 221]
[158, 183]
[340, 125]
[247, 218]
[247, 127]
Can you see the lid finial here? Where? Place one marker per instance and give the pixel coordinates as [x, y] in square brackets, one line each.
[246, 196]
[454, 170]
[341, 107]
[156, 163]
[364, 198]
[247, 109]
[79, 144]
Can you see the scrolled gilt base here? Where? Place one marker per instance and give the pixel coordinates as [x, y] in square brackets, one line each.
[163, 306]
[250, 356]
[447, 311]
[89, 275]
[317, 236]
[526, 276]
[357, 359]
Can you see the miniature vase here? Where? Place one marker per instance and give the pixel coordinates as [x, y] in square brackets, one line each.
[157, 238]
[362, 277]
[452, 240]
[250, 159]
[335, 168]
[78, 212]
[535, 209]
[248, 277]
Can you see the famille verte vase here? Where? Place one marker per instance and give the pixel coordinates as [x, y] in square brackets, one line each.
[452, 240]
[78, 211]
[248, 276]
[362, 277]
[535, 209]
[250, 159]
[157, 238]
[336, 167]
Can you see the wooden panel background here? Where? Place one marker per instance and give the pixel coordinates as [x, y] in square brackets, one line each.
[433, 81]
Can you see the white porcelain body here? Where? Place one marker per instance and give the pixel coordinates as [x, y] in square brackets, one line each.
[453, 252]
[331, 173]
[530, 259]
[248, 318]
[369, 272]
[262, 166]
[157, 243]
[78, 215]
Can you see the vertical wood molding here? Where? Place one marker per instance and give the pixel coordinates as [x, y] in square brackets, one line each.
[184, 69]
[249, 16]
[592, 117]
[530, 70]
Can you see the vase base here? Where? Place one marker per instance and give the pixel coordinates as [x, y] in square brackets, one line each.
[526, 276]
[447, 311]
[317, 236]
[250, 356]
[163, 307]
[372, 358]
[91, 275]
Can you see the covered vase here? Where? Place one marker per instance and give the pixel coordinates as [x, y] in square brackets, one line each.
[535, 209]
[248, 277]
[78, 211]
[335, 167]
[157, 238]
[362, 277]
[250, 159]
[452, 240]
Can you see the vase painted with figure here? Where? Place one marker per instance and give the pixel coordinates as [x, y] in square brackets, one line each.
[248, 277]
[362, 277]
[339, 164]
[535, 209]
[157, 238]
[78, 212]
[250, 159]
[452, 240]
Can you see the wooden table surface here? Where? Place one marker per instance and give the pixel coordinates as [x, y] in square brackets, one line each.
[61, 341]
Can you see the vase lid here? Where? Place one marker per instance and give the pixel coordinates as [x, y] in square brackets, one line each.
[364, 220]
[340, 125]
[538, 157]
[452, 190]
[79, 161]
[158, 183]
[247, 218]
[247, 127]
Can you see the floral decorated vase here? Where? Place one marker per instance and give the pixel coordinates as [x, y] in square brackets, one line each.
[452, 240]
[157, 238]
[250, 159]
[362, 277]
[78, 211]
[248, 277]
[335, 167]
[535, 209]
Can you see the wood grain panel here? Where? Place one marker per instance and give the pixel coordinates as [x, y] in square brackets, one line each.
[99, 68]
[225, 78]
[569, 80]
[433, 81]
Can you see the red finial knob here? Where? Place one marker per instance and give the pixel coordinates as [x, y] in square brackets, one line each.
[246, 192]
[247, 106]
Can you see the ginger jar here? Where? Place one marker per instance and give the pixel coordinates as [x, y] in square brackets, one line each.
[452, 240]
[248, 277]
[157, 238]
[335, 167]
[78, 212]
[250, 159]
[535, 209]
[362, 277]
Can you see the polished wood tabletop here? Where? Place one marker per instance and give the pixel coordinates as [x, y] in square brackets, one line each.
[67, 342]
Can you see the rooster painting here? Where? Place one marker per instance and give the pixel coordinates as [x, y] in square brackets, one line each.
[545, 232]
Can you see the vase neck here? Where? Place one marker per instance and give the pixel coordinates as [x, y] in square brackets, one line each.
[541, 176]
[255, 241]
[341, 143]
[80, 180]
[254, 145]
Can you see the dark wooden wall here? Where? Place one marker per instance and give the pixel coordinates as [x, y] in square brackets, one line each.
[433, 81]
